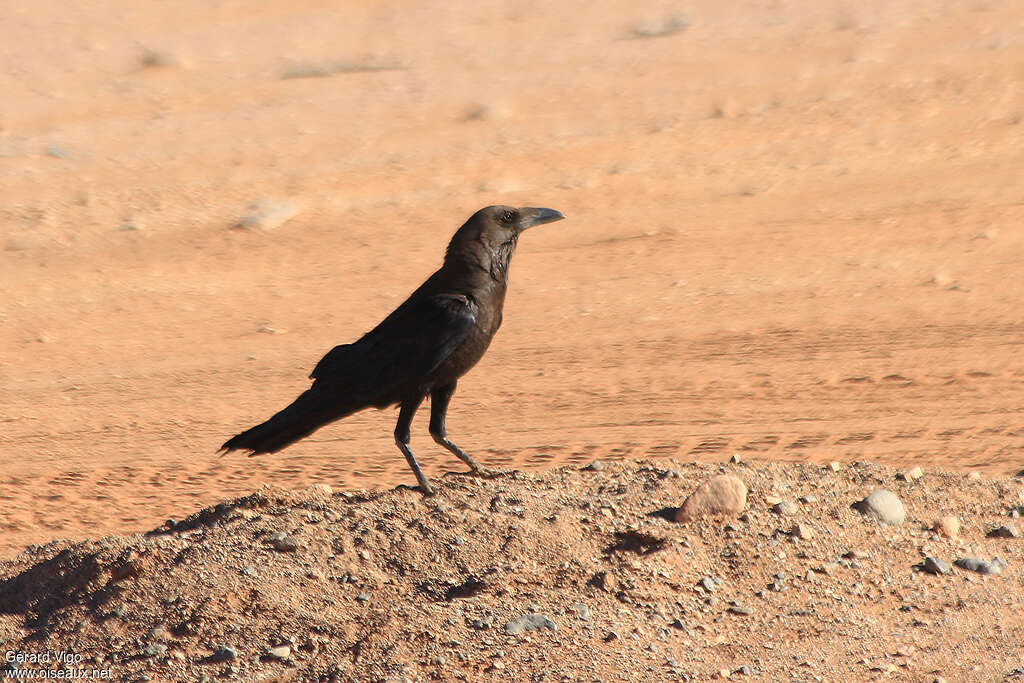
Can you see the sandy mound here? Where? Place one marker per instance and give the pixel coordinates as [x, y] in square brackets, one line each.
[572, 574]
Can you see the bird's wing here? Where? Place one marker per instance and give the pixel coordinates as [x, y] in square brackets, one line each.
[402, 350]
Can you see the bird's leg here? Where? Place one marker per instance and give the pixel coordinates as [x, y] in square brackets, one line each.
[405, 415]
[439, 399]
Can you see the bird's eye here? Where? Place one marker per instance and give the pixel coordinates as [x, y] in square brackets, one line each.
[508, 217]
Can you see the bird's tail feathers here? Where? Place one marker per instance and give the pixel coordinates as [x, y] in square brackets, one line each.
[308, 413]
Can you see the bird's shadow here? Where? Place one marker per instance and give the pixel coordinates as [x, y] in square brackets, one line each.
[668, 514]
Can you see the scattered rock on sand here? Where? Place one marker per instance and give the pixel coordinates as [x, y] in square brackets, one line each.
[976, 564]
[803, 531]
[224, 653]
[947, 527]
[284, 542]
[267, 215]
[786, 508]
[530, 622]
[936, 565]
[722, 495]
[913, 474]
[279, 652]
[1004, 531]
[884, 506]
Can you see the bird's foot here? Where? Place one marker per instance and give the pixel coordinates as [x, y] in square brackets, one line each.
[427, 490]
[480, 471]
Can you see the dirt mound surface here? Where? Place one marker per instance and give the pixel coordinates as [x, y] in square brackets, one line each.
[571, 574]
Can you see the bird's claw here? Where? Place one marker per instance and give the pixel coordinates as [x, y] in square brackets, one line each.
[482, 472]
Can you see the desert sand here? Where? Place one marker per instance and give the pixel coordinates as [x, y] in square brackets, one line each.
[793, 233]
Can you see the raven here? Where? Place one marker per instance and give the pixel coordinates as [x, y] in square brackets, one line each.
[422, 348]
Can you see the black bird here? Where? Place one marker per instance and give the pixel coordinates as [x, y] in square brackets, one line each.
[422, 348]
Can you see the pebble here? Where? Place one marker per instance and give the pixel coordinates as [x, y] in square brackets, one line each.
[804, 531]
[1005, 531]
[279, 652]
[884, 506]
[936, 565]
[159, 633]
[484, 622]
[720, 495]
[947, 527]
[530, 622]
[320, 489]
[582, 611]
[284, 542]
[976, 564]
[708, 584]
[224, 653]
[155, 650]
[267, 215]
[778, 585]
[741, 610]
[785, 508]
[913, 474]
[809, 498]
[595, 466]
[363, 597]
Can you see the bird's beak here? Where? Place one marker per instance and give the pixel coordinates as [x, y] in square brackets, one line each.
[530, 216]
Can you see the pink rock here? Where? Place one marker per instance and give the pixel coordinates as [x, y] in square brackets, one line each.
[723, 495]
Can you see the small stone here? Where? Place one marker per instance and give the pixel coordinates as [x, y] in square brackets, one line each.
[809, 498]
[1005, 531]
[735, 459]
[595, 466]
[947, 527]
[484, 622]
[606, 581]
[786, 508]
[610, 636]
[438, 660]
[974, 475]
[155, 650]
[267, 215]
[835, 466]
[279, 652]
[801, 530]
[913, 474]
[720, 495]
[740, 610]
[582, 611]
[883, 505]
[530, 622]
[810, 575]
[975, 564]
[159, 633]
[248, 571]
[745, 670]
[935, 565]
[708, 584]
[285, 543]
[224, 653]
[320, 489]
[363, 597]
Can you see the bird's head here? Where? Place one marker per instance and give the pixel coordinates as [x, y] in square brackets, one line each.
[489, 237]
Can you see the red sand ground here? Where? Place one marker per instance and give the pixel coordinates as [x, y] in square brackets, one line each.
[794, 232]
